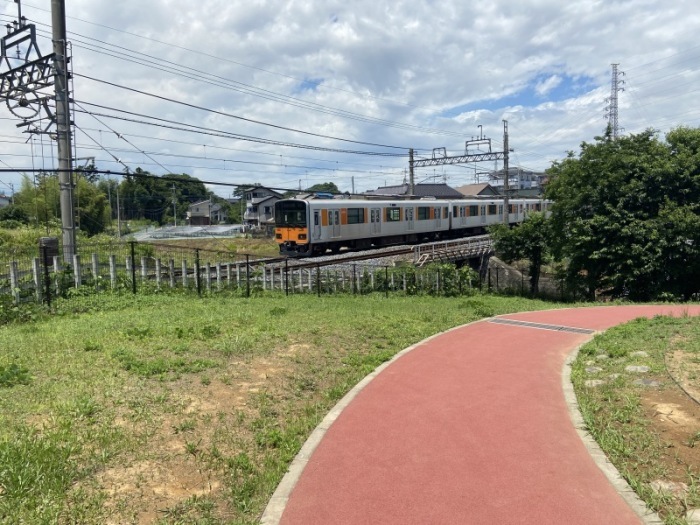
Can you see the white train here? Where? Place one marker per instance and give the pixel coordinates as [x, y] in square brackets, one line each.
[312, 227]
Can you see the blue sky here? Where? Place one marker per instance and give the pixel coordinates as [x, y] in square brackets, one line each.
[542, 88]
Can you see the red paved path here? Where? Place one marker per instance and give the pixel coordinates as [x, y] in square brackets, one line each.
[468, 427]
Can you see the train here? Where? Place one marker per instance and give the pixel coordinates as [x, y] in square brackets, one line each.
[305, 228]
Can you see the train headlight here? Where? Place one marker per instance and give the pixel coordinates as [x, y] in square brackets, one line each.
[278, 236]
[302, 236]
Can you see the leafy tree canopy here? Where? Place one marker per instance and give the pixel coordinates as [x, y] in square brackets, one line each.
[529, 240]
[324, 187]
[627, 214]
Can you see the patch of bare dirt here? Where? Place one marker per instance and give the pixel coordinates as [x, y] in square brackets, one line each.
[676, 420]
[684, 367]
[176, 461]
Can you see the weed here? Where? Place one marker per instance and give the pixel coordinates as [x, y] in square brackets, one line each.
[13, 375]
[92, 346]
[192, 448]
[186, 426]
[693, 439]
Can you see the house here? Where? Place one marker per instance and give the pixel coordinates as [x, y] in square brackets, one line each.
[5, 200]
[518, 179]
[260, 206]
[205, 213]
[438, 191]
[478, 190]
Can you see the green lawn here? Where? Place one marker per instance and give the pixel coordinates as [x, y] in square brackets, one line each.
[184, 410]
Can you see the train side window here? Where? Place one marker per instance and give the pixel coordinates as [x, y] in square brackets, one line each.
[393, 214]
[492, 209]
[445, 212]
[423, 213]
[316, 219]
[356, 215]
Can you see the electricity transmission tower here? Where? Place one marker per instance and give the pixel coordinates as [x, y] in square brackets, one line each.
[26, 83]
[611, 111]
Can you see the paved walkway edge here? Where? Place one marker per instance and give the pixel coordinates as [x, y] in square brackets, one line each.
[275, 507]
[648, 516]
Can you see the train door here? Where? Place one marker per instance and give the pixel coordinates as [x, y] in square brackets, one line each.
[483, 214]
[438, 217]
[334, 222]
[317, 225]
[409, 218]
[375, 219]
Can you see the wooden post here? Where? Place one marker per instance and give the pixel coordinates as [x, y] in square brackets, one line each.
[207, 268]
[171, 272]
[144, 268]
[218, 276]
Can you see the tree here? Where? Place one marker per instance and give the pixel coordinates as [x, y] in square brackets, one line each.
[626, 212]
[14, 213]
[145, 196]
[529, 240]
[324, 187]
[92, 208]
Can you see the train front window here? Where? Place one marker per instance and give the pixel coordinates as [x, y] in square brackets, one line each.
[290, 213]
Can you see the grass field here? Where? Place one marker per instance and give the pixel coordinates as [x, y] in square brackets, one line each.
[173, 409]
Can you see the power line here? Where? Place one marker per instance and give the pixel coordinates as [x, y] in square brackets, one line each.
[191, 128]
[237, 117]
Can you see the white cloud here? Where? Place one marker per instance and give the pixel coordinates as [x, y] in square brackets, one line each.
[547, 85]
[542, 64]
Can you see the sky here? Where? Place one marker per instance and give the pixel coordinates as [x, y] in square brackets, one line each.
[290, 94]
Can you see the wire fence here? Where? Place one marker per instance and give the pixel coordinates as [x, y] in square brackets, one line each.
[141, 268]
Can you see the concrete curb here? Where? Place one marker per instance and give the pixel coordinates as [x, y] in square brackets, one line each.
[648, 516]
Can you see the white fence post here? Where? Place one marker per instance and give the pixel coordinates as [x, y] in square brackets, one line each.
[14, 280]
[77, 271]
[36, 273]
[113, 271]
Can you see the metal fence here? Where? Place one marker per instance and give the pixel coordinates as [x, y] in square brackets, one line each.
[139, 268]
[134, 267]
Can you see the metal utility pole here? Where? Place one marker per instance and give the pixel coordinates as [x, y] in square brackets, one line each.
[25, 85]
[174, 207]
[506, 174]
[63, 127]
[411, 175]
[119, 216]
[611, 109]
